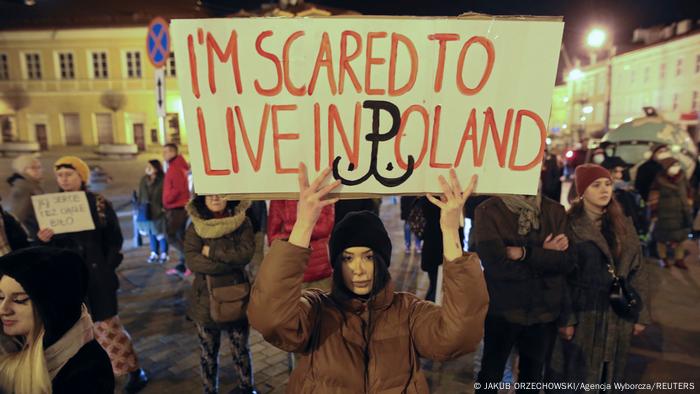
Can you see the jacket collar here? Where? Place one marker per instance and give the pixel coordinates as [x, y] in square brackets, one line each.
[585, 230]
[381, 301]
[216, 228]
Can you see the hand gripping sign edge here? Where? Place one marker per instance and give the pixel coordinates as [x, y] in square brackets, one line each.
[158, 42]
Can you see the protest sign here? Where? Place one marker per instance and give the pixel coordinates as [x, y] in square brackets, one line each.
[388, 103]
[63, 212]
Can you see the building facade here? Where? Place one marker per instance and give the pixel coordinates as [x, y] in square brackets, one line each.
[84, 87]
[664, 74]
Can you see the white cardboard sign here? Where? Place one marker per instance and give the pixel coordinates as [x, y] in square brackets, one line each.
[67, 212]
[388, 103]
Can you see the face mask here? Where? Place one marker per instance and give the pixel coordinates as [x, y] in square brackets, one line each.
[597, 159]
[674, 170]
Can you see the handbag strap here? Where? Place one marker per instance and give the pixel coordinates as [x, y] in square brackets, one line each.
[611, 270]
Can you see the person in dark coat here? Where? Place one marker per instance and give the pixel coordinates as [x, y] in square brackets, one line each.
[257, 213]
[550, 176]
[100, 249]
[150, 198]
[41, 303]
[406, 204]
[25, 183]
[12, 235]
[629, 199]
[647, 171]
[669, 202]
[431, 254]
[218, 245]
[594, 340]
[523, 248]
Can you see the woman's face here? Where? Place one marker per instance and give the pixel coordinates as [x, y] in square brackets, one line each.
[215, 203]
[34, 171]
[358, 269]
[150, 170]
[68, 180]
[599, 193]
[16, 310]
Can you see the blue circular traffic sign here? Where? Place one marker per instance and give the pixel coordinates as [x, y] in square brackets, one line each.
[158, 42]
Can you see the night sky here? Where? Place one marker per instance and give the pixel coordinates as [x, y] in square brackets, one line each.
[620, 17]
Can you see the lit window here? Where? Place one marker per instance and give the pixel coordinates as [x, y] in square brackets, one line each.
[133, 64]
[170, 65]
[99, 65]
[33, 63]
[65, 61]
[4, 67]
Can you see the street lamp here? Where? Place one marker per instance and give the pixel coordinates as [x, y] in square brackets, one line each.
[597, 39]
[575, 74]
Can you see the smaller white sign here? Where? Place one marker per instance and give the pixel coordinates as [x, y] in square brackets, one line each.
[63, 212]
[160, 92]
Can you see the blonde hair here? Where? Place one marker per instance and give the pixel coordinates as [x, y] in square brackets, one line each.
[26, 371]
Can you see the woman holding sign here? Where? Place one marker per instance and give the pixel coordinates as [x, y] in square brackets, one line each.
[362, 336]
[100, 248]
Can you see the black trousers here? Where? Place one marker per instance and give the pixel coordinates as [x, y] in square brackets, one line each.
[176, 224]
[534, 344]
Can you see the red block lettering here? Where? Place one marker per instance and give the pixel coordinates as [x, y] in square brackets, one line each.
[275, 90]
[516, 137]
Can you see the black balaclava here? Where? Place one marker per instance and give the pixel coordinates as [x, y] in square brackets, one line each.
[365, 229]
[56, 282]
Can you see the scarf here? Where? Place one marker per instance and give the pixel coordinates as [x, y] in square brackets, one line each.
[58, 354]
[595, 217]
[4, 243]
[528, 209]
[217, 228]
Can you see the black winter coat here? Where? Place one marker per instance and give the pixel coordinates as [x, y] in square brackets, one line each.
[89, 371]
[529, 291]
[432, 252]
[16, 236]
[646, 174]
[101, 251]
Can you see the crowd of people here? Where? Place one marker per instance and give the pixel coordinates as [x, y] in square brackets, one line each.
[562, 292]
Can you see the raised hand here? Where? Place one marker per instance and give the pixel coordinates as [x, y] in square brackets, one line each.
[451, 204]
[312, 200]
[452, 201]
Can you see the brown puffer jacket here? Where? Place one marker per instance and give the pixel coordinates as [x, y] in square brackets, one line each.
[331, 335]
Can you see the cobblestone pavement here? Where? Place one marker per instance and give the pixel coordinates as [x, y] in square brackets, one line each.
[152, 309]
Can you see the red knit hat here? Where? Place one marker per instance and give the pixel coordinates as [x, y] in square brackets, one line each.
[587, 174]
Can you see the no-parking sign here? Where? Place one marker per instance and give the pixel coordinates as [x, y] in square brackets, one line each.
[158, 42]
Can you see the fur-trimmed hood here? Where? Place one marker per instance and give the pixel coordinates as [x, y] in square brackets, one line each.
[216, 228]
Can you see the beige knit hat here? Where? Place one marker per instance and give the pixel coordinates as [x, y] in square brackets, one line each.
[21, 162]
